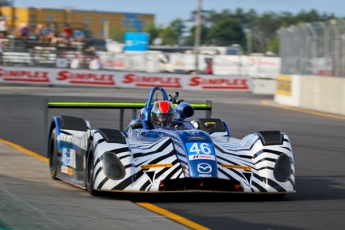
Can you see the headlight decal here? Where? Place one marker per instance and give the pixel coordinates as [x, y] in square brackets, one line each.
[282, 169]
[112, 166]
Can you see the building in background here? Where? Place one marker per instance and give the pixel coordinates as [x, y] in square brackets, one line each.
[98, 24]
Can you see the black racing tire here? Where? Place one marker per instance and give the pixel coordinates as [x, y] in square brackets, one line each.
[52, 154]
[90, 171]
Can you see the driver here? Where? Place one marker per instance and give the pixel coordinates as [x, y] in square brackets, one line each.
[163, 114]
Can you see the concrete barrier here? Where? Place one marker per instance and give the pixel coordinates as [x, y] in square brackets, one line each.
[264, 86]
[319, 93]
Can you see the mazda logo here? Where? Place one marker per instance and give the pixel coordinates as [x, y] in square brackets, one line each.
[204, 168]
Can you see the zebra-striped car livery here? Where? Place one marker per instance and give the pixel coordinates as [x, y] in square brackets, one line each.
[200, 155]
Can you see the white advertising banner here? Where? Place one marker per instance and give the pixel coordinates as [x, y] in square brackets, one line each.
[114, 61]
[23, 75]
[258, 67]
[238, 65]
[263, 67]
[229, 65]
[186, 62]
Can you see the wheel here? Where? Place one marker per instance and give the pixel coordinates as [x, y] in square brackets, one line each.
[52, 148]
[90, 170]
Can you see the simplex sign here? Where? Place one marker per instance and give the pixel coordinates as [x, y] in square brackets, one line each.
[46, 76]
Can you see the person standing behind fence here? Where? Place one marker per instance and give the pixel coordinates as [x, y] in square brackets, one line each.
[209, 69]
[75, 63]
[3, 28]
[95, 63]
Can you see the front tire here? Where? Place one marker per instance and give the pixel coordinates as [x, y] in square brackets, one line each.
[90, 171]
[52, 148]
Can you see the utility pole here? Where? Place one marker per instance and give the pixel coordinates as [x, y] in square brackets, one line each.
[197, 37]
[105, 29]
[249, 46]
[249, 42]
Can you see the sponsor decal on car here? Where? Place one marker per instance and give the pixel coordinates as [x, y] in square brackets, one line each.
[152, 80]
[194, 138]
[237, 167]
[68, 161]
[201, 157]
[204, 168]
[86, 78]
[209, 123]
[168, 165]
[200, 151]
[67, 170]
[68, 157]
[205, 175]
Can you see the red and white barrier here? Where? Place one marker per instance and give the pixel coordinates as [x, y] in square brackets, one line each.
[46, 76]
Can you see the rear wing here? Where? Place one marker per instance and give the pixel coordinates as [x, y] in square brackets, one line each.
[207, 106]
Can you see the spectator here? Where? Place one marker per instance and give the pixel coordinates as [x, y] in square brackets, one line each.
[67, 33]
[79, 36]
[209, 69]
[47, 33]
[95, 63]
[38, 31]
[24, 32]
[75, 63]
[3, 28]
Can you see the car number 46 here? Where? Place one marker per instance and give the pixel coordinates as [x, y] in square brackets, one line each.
[200, 148]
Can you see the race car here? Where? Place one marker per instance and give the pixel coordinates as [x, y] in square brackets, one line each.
[164, 149]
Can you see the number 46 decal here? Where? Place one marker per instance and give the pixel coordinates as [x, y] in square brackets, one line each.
[200, 148]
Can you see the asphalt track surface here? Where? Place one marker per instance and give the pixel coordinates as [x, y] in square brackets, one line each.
[317, 141]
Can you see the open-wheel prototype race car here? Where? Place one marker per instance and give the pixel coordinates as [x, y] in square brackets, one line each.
[164, 150]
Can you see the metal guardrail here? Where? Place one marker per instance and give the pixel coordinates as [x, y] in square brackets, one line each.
[112, 105]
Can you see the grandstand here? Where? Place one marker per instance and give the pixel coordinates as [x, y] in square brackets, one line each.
[37, 36]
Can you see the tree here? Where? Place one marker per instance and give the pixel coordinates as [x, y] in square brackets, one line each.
[226, 32]
[117, 34]
[153, 30]
[169, 36]
[179, 27]
[273, 45]
[189, 41]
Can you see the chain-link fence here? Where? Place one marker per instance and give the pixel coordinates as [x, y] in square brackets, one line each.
[313, 48]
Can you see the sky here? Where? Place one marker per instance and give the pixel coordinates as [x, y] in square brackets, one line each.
[166, 11]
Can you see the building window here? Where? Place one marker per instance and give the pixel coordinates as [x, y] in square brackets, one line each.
[87, 20]
[131, 21]
[104, 20]
[50, 18]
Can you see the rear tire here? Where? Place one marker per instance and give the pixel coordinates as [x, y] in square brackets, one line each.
[52, 148]
[90, 171]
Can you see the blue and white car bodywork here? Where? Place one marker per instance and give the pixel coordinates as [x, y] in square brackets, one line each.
[194, 156]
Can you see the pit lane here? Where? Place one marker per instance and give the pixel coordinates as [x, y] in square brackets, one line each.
[317, 141]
